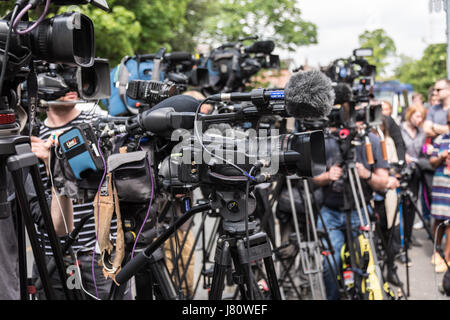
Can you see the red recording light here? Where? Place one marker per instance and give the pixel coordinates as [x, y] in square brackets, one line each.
[7, 118]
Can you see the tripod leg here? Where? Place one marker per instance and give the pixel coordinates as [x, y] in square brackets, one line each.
[404, 241]
[272, 278]
[37, 250]
[144, 284]
[222, 261]
[416, 211]
[376, 264]
[297, 232]
[314, 232]
[54, 241]
[161, 276]
[20, 227]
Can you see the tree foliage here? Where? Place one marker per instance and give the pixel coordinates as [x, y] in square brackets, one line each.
[144, 26]
[423, 73]
[383, 47]
[279, 20]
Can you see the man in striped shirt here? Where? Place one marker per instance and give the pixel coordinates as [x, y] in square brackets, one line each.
[59, 119]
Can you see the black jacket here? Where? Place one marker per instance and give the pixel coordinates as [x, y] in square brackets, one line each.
[396, 135]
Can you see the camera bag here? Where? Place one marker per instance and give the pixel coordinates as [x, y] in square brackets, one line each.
[131, 174]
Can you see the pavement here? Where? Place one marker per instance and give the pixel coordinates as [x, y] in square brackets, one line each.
[423, 281]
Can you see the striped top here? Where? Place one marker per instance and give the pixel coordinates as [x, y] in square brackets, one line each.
[86, 237]
[440, 193]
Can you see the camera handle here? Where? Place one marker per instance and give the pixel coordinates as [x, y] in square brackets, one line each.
[135, 264]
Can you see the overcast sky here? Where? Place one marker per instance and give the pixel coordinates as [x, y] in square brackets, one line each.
[339, 22]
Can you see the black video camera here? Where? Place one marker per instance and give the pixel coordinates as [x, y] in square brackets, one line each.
[56, 80]
[231, 65]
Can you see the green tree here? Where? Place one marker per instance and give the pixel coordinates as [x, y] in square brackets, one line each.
[382, 45]
[423, 73]
[189, 33]
[279, 20]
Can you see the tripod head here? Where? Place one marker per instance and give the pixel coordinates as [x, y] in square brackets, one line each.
[232, 208]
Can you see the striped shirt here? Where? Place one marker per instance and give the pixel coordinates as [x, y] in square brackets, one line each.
[86, 238]
[440, 192]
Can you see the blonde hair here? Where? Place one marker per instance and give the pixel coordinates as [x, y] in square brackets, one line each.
[413, 109]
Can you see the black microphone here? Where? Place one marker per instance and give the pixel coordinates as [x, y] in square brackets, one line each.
[343, 93]
[266, 47]
[309, 94]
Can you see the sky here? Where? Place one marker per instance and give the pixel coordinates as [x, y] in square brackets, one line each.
[339, 22]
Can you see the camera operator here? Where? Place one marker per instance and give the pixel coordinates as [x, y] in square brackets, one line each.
[373, 178]
[67, 212]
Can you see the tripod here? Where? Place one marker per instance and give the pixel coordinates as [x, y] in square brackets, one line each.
[232, 247]
[16, 156]
[352, 185]
[242, 248]
[406, 201]
[311, 266]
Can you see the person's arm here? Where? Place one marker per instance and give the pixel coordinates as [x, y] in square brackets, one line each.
[379, 180]
[327, 177]
[42, 150]
[433, 129]
[436, 161]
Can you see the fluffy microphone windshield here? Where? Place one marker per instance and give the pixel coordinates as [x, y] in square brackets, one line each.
[343, 93]
[309, 94]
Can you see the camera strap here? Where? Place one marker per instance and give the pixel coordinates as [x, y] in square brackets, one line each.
[106, 204]
[32, 89]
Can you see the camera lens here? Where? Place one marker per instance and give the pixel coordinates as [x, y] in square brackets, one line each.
[67, 38]
[311, 148]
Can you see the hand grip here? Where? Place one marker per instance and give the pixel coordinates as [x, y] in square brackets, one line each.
[369, 152]
[384, 150]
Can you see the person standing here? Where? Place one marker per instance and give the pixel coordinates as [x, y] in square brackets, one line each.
[61, 117]
[440, 193]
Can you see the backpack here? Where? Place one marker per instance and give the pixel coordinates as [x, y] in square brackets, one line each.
[130, 68]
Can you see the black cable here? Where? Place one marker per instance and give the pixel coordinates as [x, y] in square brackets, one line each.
[5, 54]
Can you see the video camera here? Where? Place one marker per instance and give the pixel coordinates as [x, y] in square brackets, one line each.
[347, 70]
[231, 65]
[56, 80]
[64, 39]
[405, 171]
[352, 102]
[141, 81]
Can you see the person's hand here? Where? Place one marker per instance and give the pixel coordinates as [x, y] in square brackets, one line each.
[444, 154]
[363, 173]
[408, 158]
[41, 148]
[429, 148]
[335, 173]
[392, 183]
